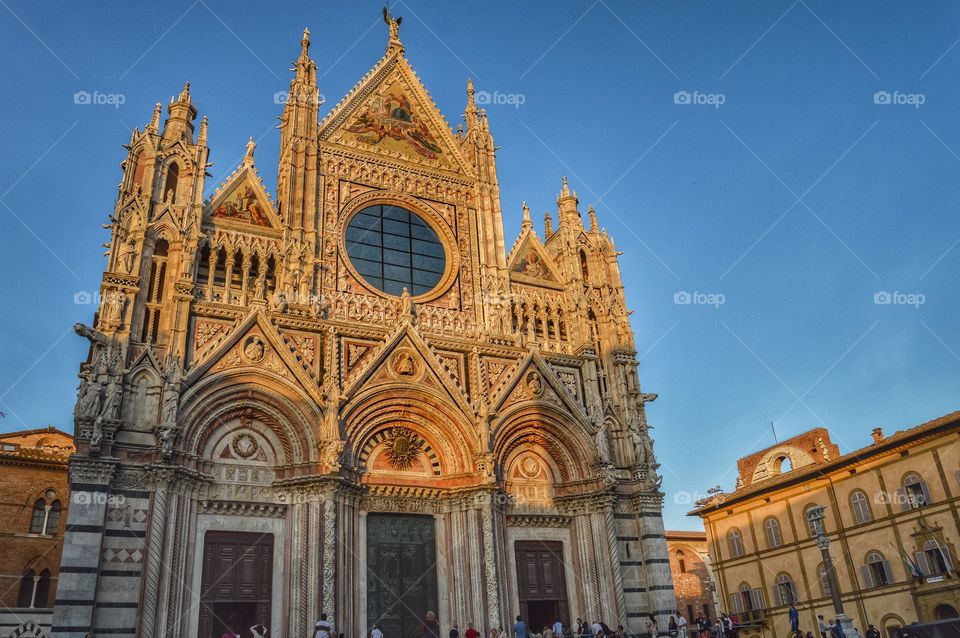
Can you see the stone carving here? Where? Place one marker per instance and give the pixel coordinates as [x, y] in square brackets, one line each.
[112, 309]
[408, 313]
[244, 445]
[535, 384]
[404, 364]
[403, 448]
[254, 349]
[126, 255]
[603, 443]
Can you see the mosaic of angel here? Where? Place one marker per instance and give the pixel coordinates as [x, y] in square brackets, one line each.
[390, 117]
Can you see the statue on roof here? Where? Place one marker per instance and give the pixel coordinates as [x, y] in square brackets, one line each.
[393, 23]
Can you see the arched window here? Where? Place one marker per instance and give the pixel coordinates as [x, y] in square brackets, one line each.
[771, 529]
[681, 561]
[861, 507]
[876, 571]
[735, 541]
[824, 578]
[584, 268]
[53, 519]
[784, 590]
[811, 526]
[935, 559]
[42, 591]
[38, 516]
[170, 184]
[155, 289]
[915, 492]
[782, 464]
[25, 595]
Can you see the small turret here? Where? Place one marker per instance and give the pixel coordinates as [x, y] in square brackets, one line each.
[594, 225]
[527, 223]
[181, 112]
[547, 226]
[154, 125]
[567, 206]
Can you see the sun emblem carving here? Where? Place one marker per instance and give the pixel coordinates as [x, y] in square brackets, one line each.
[403, 448]
[244, 445]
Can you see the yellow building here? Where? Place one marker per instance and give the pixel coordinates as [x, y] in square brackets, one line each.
[891, 518]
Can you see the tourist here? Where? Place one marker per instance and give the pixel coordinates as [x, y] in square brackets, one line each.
[872, 632]
[323, 628]
[652, 628]
[519, 628]
[620, 632]
[547, 632]
[822, 625]
[558, 628]
[431, 626]
[454, 631]
[376, 632]
[726, 626]
[794, 616]
[673, 628]
[583, 628]
[471, 632]
[681, 626]
[597, 629]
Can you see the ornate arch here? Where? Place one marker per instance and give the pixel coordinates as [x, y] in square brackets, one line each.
[281, 406]
[557, 433]
[446, 431]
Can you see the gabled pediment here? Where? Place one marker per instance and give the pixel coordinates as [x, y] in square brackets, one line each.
[406, 359]
[389, 112]
[255, 344]
[535, 381]
[528, 262]
[242, 199]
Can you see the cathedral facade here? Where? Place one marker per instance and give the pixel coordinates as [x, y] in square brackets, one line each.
[354, 397]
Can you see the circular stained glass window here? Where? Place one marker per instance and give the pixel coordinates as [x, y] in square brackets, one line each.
[393, 248]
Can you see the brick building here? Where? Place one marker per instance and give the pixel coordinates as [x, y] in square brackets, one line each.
[692, 575]
[33, 508]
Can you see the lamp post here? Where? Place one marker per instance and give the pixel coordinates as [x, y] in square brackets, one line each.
[815, 517]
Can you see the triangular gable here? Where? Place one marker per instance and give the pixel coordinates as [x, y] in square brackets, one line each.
[536, 381]
[406, 358]
[256, 343]
[148, 360]
[529, 262]
[391, 113]
[242, 199]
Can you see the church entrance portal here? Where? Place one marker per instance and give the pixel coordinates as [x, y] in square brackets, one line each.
[401, 573]
[541, 583]
[236, 583]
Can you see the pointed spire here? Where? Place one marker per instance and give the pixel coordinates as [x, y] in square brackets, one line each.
[565, 191]
[182, 113]
[470, 113]
[567, 204]
[393, 45]
[184, 96]
[547, 225]
[527, 222]
[154, 124]
[248, 156]
[202, 135]
[305, 45]
[594, 226]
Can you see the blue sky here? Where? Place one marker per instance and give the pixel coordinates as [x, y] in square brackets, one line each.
[738, 150]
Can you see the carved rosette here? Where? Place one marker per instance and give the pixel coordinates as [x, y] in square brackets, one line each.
[403, 448]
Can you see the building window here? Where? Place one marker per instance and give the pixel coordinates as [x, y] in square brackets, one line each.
[811, 525]
[824, 578]
[735, 541]
[935, 559]
[784, 591]
[876, 571]
[38, 517]
[170, 184]
[681, 562]
[25, 595]
[584, 268]
[771, 528]
[915, 492]
[155, 292]
[53, 519]
[861, 507]
[393, 249]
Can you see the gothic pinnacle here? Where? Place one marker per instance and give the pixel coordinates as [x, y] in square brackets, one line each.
[202, 136]
[594, 226]
[547, 225]
[527, 222]
[154, 125]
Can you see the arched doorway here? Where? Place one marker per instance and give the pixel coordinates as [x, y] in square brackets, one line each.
[944, 611]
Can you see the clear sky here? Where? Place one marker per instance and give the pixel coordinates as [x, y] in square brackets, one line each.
[737, 150]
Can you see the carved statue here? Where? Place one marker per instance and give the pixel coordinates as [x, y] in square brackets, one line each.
[113, 305]
[321, 307]
[88, 398]
[96, 437]
[111, 402]
[393, 23]
[639, 446]
[603, 443]
[407, 310]
[260, 286]
[126, 255]
[186, 259]
[171, 392]
[166, 441]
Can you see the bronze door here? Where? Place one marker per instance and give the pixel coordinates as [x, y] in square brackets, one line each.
[236, 585]
[541, 584]
[401, 573]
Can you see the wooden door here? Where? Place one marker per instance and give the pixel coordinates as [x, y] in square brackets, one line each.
[236, 584]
